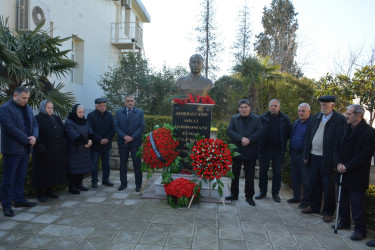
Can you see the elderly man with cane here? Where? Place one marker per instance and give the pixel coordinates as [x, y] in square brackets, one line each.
[352, 158]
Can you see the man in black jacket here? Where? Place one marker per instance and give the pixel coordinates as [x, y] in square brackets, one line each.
[318, 154]
[101, 122]
[352, 158]
[245, 130]
[276, 127]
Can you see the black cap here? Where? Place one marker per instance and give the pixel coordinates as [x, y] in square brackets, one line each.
[100, 100]
[327, 98]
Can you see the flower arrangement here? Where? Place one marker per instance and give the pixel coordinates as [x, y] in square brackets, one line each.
[211, 159]
[180, 191]
[191, 99]
[159, 150]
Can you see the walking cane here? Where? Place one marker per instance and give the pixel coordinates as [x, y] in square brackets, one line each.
[338, 204]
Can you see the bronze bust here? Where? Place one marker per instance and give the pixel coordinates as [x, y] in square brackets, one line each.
[195, 83]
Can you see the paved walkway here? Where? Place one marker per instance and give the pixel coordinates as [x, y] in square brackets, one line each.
[105, 218]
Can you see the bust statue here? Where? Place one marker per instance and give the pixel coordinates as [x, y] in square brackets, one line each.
[194, 83]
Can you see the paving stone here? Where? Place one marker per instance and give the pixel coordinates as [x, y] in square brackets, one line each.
[178, 241]
[120, 245]
[205, 243]
[128, 236]
[46, 218]
[39, 241]
[25, 216]
[232, 244]
[8, 225]
[153, 239]
[54, 230]
[65, 243]
[92, 244]
[78, 232]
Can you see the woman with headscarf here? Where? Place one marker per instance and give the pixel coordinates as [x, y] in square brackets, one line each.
[79, 136]
[50, 153]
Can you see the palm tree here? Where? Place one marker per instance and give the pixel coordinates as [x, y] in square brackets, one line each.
[256, 71]
[28, 58]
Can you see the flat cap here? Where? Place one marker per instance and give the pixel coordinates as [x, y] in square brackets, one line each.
[100, 100]
[327, 98]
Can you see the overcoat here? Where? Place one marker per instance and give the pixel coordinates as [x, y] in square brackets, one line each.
[354, 149]
[331, 131]
[251, 129]
[50, 152]
[13, 138]
[284, 130]
[79, 161]
[102, 127]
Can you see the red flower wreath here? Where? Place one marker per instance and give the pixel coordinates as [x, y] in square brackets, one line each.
[165, 144]
[180, 191]
[211, 158]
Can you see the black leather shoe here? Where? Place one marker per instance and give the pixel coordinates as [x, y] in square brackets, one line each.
[107, 183]
[83, 188]
[259, 196]
[371, 243]
[293, 200]
[94, 185]
[250, 201]
[232, 197]
[340, 226]
[137, 189]
[74, 190]
[8, 211]
[276, 198]
[122, 187]
[357, 236]
[24, 204]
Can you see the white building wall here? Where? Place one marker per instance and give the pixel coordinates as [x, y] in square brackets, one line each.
[91, 22]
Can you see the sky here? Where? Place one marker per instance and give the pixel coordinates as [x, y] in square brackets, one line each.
[328, 31]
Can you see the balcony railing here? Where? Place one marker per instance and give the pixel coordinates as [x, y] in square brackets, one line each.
[127, 36]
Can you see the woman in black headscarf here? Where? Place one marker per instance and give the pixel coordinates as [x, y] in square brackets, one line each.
[50, 153]
[80, 137]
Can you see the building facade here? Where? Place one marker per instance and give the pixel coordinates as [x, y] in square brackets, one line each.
[102, 31]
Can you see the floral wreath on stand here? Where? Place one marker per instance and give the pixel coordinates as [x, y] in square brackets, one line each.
[211, 160]
[159, 151]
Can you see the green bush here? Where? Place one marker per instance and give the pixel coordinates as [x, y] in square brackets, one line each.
[285, 172]
[370, 209]
[222, 131]
[152, 120]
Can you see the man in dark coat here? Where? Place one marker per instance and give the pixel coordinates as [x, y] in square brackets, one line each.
[101, 122]
[19, 131]
[245, 130]
[298, 169]
[129, 124]
[318, 154]
[273, 146]
[352, 158]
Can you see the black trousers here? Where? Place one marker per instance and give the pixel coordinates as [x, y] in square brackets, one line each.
[356, 200]
[75, 180]
[249, 167]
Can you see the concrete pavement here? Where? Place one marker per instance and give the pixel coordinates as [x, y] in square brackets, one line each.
[105, 218]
